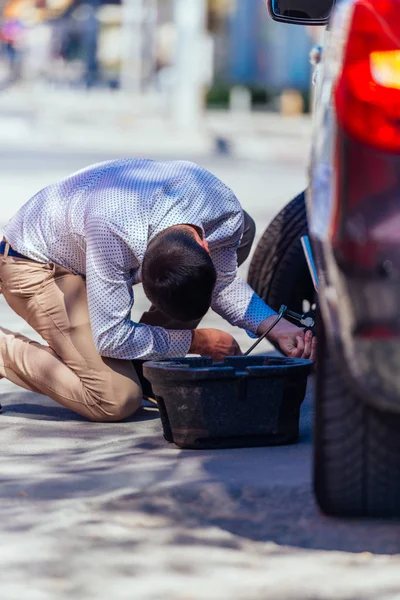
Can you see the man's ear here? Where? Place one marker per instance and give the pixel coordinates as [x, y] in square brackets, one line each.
[204, 244]
[199, 235]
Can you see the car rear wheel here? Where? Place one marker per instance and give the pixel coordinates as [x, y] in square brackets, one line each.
[278, 271]
[357, 447]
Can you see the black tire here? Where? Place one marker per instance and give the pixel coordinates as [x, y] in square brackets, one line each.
[278, 271]
[356, 448]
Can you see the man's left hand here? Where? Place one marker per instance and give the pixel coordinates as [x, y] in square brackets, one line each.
[292, 340]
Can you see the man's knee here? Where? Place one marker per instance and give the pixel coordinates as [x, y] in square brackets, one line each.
[119, 407]
[249, 232]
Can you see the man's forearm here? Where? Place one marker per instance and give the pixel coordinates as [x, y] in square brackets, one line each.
[198, 342]
[262, 328]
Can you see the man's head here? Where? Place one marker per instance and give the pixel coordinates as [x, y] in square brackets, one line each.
[178, 274]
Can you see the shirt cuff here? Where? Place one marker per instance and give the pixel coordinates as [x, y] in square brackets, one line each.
[256, 313]
[180, 342]
[251, 335]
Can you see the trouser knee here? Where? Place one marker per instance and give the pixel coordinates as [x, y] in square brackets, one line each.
[117, 409]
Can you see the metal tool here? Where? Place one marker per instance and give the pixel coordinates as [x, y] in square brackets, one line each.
[305, 242]
[306, 320]
[280, 316]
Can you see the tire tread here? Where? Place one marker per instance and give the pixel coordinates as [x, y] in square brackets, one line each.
[357, 447]
[278, 271]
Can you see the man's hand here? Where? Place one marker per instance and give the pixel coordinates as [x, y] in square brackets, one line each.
[214, 343]
[292, 340]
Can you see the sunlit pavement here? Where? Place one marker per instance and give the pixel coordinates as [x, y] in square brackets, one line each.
[112, 511]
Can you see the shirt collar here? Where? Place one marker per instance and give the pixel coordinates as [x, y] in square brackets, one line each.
[162, 227]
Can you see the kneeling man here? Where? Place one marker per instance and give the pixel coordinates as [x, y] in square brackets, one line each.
[72, 255]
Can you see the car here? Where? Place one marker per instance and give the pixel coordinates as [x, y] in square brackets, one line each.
[351, 213]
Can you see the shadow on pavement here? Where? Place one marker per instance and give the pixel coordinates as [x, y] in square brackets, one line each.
[256, 494]
[288, 517]
[42, 408]
[264, 495]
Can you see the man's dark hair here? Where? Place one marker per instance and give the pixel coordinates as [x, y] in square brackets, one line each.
[178, 275]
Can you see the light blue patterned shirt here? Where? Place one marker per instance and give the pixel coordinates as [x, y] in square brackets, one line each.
[97, 223]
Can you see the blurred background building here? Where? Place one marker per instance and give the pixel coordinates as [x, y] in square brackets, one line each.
[187, 53]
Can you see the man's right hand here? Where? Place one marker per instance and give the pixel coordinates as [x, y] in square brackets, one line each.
[214, 343]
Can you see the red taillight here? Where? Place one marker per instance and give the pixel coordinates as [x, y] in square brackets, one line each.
[365, 224]
[367, 92]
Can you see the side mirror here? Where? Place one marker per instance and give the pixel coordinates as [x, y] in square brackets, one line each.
[301, 12]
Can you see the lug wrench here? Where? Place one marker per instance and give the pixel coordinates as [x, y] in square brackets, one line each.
[306, 320]
[280, 316]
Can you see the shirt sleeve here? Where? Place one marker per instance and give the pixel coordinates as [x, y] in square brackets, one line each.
[110, 270]
[233, 298]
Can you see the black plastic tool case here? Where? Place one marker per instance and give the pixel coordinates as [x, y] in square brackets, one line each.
[244, 401]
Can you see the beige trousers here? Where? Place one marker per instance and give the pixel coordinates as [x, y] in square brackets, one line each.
[69, 370]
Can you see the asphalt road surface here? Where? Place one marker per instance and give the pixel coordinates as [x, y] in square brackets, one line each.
[100, 511]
